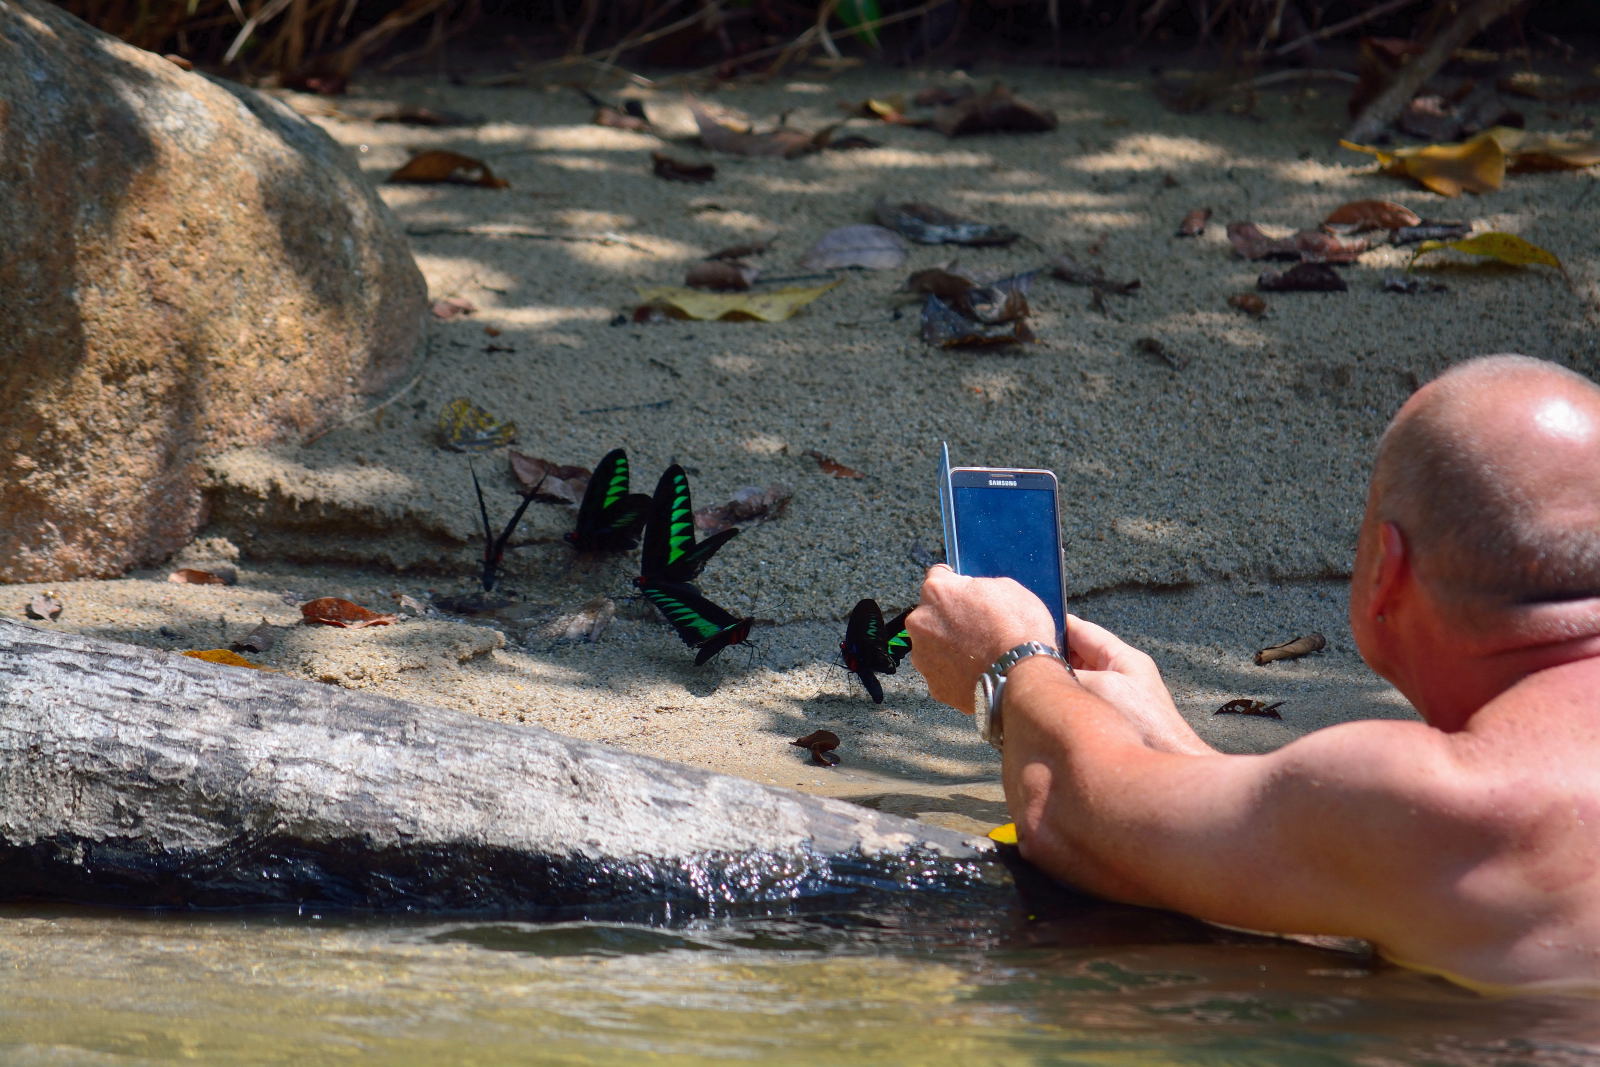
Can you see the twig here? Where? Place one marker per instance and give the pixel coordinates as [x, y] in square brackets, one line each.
[527, 235]
[1339, 27]
[1265, 80]
[1383, 108]
[348, 419]
[651, 406]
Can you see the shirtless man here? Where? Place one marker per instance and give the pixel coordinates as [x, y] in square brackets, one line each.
[1467, 844]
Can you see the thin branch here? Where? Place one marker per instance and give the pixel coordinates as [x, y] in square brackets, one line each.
[1339, 27]
[527, 235]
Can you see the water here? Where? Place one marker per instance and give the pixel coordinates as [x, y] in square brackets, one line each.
[1096, 984]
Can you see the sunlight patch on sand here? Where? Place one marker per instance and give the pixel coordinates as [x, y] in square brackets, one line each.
[1149, 152]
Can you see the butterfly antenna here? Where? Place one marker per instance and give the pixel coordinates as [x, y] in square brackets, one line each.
[491, 561]
[505, 535]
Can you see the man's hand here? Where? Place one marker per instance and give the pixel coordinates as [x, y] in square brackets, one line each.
[963, 624]
[1129, 681]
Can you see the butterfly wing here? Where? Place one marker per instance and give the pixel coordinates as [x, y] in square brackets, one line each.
[874, 687]
[609, 517]
[670, 550]
[735, 634]
[864, 645]
[696, 619]
[897, 640]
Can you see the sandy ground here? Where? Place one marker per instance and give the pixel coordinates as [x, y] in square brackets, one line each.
[1208, 510]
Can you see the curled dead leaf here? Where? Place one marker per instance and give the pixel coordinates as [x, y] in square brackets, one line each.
[996, 111]
[1194, 223]
[1313, 246]
[466, 427]
[260, 639]
[335, 611]
[721, 275]
[862, 245]
[946, 327]
[784, 142]
[750, 503]
[821, 744]
[453, 307]
[1302, 278]
[1070, 269]
[1246, 706]
[929, 225]
[1300, 646]
[1358, 216]
[437, 166]
[675, 170]
[194, 576]
[411, 115]
[1249, 303]
[744, 251]
[829, 465]
[630, 116]
[1477, 165]
[1430, 230]
[43, 606]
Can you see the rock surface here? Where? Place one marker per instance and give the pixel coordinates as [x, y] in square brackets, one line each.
[189, 267]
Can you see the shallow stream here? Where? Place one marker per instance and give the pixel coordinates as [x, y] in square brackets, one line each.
[1095, 984]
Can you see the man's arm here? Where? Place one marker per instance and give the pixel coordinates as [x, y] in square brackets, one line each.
[1363, 829]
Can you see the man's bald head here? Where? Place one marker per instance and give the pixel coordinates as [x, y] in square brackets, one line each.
[1492, 473]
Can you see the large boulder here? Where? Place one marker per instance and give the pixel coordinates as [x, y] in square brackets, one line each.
[187, 266]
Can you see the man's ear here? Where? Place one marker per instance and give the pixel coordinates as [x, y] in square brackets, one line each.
[1392, 567]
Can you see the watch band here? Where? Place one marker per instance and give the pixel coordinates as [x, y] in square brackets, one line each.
[993, 681]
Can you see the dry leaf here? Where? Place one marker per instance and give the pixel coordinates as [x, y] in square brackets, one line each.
[871, 247]
[1505, 247]
[947, 286]
[453, 307]
[1542, 151]
[334, 611]
[829, 465]
[225, 657]
[675, 170]
[750, 503]
[821, 744]
[191, 576]
[1300, 646]
[743, 251]
[1067, 268]
[929, 225]
[630, 116]
[43, 606]
[1310, 245]
[724, 276]
[553, 483]
[946, 327]
[1475, 166]
[465, 427]
[585, 624]
[783, 141]
[1245, 706]
[771, 305]
[1194, 223]
[1302, 278]
[1005, 300]
[1359, 216]
[1430, 230]
[1249, 303]
[996, 111]
[1410, 284]
[260, 639]
[425, 116]
[440, 166]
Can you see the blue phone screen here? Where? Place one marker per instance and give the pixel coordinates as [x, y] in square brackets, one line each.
[1012, 533]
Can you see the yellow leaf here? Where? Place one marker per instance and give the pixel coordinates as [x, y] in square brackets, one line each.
[1544, 151]
[1506, 247]
[1006, 835]
[772, 305]
[224, 657]
[465, 427]
[1475, 166]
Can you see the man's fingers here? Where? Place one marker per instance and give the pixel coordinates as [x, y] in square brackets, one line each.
[1093, 644]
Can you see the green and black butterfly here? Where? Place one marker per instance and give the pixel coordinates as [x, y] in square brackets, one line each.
[872, 646]
[704, 626]
[610, 517]
[671, 554]
[494, 548]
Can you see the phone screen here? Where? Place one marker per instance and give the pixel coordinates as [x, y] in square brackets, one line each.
[1006, 526]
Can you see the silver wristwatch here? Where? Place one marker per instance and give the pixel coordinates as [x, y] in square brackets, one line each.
[992, 683]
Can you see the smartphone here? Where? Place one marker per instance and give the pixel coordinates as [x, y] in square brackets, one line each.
[1005, 522]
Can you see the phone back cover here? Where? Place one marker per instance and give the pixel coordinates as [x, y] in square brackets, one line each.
[947, 512]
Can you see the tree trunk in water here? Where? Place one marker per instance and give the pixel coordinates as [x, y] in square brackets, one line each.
[130, 776]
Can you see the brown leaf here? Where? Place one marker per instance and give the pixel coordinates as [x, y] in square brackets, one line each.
[783, 141]
[996, 111]
[630, 116]
[929, 225]
[43, 606]
[750, 503]
[721, 275]
[829, 465]
[424, 116]
[821, 743]
[1302, 278]
[1248, 240]
[191, 576]
[946, 327]
[1359, 216]
[947, 286]
[1245, 706]
[226, 657]
[334, 611]
[871, 247]
[1005, 300]
[260, 639]
[453, 307]
[439, 166]
[1067, 268]
[1300, 646]
[553, 483]
[1315, 246]
[675, 170]
[1194, 223]
[1249, 303]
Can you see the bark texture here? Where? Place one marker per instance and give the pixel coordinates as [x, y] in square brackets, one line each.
[137, 777]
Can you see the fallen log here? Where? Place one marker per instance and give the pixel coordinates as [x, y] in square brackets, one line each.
[130, 776]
